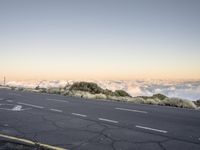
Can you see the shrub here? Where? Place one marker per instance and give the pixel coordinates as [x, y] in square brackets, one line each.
[121, 93]
[177, 102]
[20, 88]
[197, 102]
[37, 88]
[159, 96]
[13, 88]
[154, 101]
[87, 87]
[93, 88]
[108, 92]
[43, 90]
[84, 94]
[155, 96]
[53, 91]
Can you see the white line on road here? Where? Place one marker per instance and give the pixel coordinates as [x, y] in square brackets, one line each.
[152, 129]
[57, 110]
[81, 115]
[30, 105]
[58, 100]
[108, 120]
[132, 110]
[10, 101]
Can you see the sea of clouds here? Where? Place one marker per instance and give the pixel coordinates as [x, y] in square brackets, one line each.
[186, 89]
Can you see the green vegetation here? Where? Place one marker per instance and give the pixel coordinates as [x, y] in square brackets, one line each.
[93, 88]
[178, 102]
[90, 87]
[42, 90]
[159, 96]
[155, 96]
[54, 90]
[160, 99]
[197, 102]
[121, 93]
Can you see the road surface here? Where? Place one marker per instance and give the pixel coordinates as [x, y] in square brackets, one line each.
[79, 124]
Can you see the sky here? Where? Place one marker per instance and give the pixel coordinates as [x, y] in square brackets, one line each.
[99, 39]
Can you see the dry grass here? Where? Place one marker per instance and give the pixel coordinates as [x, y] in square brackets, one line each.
[86, 95]
[174, 102]
[177, 102]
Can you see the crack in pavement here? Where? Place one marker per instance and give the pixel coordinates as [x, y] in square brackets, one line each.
[84, 131]
[99, 136]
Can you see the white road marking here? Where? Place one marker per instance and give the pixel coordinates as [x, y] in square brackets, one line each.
[10, 101]
[81, 115]
[58, 100]
[152, 129]
[132, 110]
[108, 120]
[1, 99]
[17, 108]
[57, 110]
[31, 105]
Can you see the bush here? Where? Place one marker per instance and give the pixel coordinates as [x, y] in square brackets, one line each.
[155, 96]
[13, 88]
[54, 91]
[43, 90]
[90, 87]
[37, 88]
[177, 102]
[93, 88]
[159, 96]
[19, 88]
[121, 93]
[108, 92]
[197, 103]
[173, 102]
[84, 94]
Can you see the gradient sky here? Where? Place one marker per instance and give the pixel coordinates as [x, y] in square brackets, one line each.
[99, 39]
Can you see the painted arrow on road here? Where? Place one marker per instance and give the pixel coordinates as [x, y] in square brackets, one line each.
[12, 107]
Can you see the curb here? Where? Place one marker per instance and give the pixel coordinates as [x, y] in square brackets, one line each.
[28, 142]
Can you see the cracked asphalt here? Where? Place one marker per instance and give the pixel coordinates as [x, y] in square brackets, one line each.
[79, 124]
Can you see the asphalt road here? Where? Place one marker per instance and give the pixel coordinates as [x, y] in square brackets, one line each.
[80, 124]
